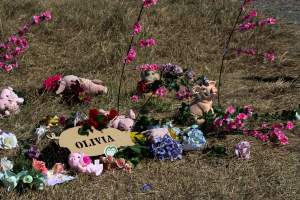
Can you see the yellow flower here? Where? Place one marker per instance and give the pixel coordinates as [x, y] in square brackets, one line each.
[53, 121]
[136, 137]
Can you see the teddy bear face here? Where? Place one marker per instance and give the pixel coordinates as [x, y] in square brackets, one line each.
[150, 76]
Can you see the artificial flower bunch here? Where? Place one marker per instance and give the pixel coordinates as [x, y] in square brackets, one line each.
[169, 77]
[250, 21]
[97, 120]
[29, 171]
[239, 120]
[17, 43]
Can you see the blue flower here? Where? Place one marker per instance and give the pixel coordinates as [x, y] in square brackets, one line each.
[166, 148]
[193, 139]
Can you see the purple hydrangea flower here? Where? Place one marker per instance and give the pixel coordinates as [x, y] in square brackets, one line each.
[166, 149]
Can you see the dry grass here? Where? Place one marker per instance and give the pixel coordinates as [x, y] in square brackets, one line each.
[89, 39]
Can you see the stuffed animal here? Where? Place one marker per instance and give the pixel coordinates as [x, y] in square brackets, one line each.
[9, 102]
[83, 163]
[203, 102]
[156, 133]
[90, 86]
[121, 122]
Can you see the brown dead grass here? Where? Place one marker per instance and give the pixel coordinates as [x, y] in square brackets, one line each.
[89, 39]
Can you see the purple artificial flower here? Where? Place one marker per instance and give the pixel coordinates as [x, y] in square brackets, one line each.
[33, 152]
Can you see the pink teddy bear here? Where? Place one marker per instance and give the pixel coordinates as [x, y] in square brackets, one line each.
[121, 122]
[9, 102]
[83, 163]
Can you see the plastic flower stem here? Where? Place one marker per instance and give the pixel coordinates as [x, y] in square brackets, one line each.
[124, 65]
[146, 102]
[226, 50]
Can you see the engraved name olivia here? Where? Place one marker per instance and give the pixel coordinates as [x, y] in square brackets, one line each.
[94, 141]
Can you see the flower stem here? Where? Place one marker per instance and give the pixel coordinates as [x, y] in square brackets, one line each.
[226, 51]
[124, 64]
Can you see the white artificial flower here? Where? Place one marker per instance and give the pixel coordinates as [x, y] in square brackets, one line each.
[40, 131]
[8, 141]
[5, 164]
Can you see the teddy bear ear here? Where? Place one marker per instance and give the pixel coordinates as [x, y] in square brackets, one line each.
[131, 114]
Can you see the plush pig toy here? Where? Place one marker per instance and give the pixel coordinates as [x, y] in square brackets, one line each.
[90, 86]
[9, 102]
[122, 122]
[83, 163]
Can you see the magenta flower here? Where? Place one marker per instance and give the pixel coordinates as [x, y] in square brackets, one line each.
[230, 110]
[247, 26]
[86, 160]
[131, 55]
[290, 125]
[268, 21]
[46, 15]
[148, 3]
[162, 91]
[269, 56]
[134, 98]
[251, 15]
[148, 42]
[36, 19]
[137, 28]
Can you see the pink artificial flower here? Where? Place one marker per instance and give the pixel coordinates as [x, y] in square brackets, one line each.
[137, 28]
[262, 137]
[268, 21]
[147, 43]
[218, 122]
[290, 125]
[131, 55]
[251, 15]
[39, 166]
[8, 68]
[148, 67]
[232, 126]
[46, 15]
[247, 26]
[269, 56]
[230, 109]
[248, 110]
[36, 19]
[148, 3]
[242, 116]
[51, 83]
[134, 98]
[278, 134]
[162, 91]
[86, 160]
